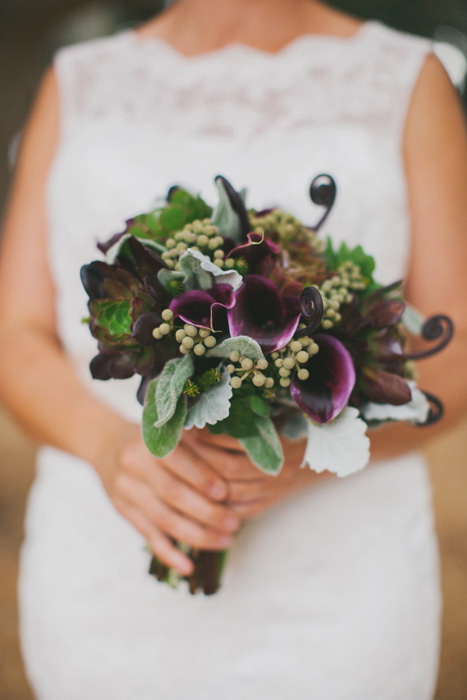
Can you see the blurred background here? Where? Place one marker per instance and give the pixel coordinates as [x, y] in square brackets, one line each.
[30, 33]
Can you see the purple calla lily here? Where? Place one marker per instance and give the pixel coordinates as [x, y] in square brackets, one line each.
[257, 252]
[263, 314]
[203, 309]
[331, 381]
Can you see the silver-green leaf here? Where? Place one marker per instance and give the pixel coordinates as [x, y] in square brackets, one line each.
[245, 346]
[170, 386]
[212, 406]
[264, 449]
[163, 440]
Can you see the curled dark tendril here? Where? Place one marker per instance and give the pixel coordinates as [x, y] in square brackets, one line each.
[436, 410]
[436, 327]
[237, 204]
[311, 304]
[323, 192]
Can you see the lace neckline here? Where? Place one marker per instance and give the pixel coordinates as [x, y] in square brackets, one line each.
[304, 41]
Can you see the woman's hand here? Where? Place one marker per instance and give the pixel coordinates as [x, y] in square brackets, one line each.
[176, 497]
[250, 491]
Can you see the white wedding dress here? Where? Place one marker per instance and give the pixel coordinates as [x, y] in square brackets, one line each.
[334, 594]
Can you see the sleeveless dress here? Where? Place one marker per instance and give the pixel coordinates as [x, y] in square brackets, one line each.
[333, 594]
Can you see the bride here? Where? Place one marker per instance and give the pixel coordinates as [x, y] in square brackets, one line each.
[332, 585]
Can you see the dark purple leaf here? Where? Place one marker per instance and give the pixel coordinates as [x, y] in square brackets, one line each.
[144, 326]
[384, 387]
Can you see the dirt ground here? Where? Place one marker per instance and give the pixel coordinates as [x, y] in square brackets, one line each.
[448, 462]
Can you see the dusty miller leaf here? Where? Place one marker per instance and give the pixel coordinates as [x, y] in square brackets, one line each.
[212, 406]
[163, 440]
[247, 347]
[170, 386]
[264, 449]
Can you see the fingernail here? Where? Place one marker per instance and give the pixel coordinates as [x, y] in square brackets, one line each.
[218, 491]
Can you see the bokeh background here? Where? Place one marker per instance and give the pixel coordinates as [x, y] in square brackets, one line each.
[30, 33]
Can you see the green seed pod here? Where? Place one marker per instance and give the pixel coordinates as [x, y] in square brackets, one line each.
[259, 380]
[229, 263]
[275, 355]
[279, 362]
[199, 349]
[230, 369]
[262, 363]
[210, 341]
[302, 356]
[327, 324]
[219, 254]
[285, 382]
[157, 334]
[167, 314]
[202, 241]
[179, 335]
[188, 342]
[179, 236]
[170, 243]
[219, 262]
[204, 332]
[269, 383]
[190, 330]
[247, 363]
[295, 345]
[284, 372]
[303, 374]
[189, 237]
[164, 328]
[289, 363]
[234, 356]
[235, 382]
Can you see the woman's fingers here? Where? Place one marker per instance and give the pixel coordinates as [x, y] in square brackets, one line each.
[161, 545]
[185, 499]
[173, 522]
[223, 441]
[227, 464]
[188, 466]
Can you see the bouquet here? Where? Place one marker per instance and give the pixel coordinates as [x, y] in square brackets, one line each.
[246, 323]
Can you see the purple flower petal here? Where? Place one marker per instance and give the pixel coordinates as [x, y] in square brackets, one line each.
[255, 251]
[200, 308]
[331, 381]
[262, 314]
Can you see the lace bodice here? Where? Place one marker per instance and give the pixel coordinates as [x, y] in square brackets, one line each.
[138, 117]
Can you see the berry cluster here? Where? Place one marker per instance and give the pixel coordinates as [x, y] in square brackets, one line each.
[337, 290]
[292, 357]
[194, 339]
[197, 235]
[243, 368]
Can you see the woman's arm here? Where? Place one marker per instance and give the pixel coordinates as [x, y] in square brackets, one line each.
[178, 496]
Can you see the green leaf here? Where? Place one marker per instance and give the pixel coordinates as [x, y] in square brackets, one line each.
[264, 449]
[170, 386]
[241, 421]
[173, 218]
[195, 276]
[162, 441]
[201, 273]
[225, 217]
[114, 316]
[247, 347]
[259, 406]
